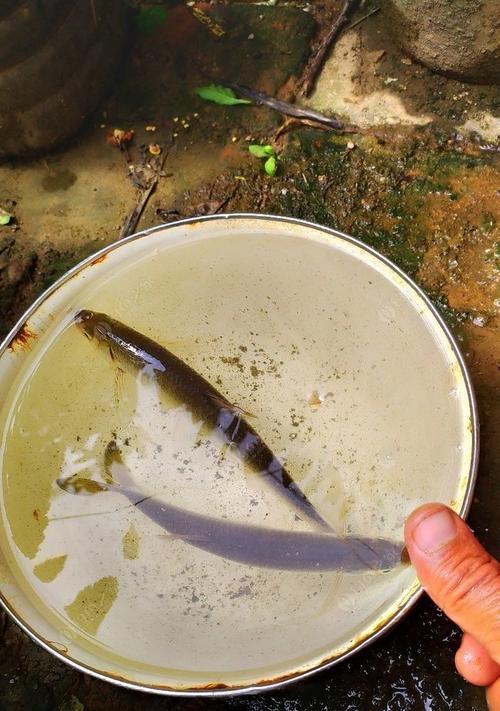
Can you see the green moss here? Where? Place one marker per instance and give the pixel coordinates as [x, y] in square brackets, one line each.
[440, 164]
[453, 318]
[149, 18]
[488, 222]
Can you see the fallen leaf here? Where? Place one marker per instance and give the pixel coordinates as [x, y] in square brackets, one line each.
[220, 95]
[261, 151]
[270, 166]
[5, 217]
[205, 19]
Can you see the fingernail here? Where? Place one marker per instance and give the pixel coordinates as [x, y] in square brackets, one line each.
[435, 531]
[405, 556]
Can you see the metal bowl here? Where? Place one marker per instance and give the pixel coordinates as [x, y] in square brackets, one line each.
[353, 377]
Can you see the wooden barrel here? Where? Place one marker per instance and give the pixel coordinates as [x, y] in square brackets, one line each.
[57, 59]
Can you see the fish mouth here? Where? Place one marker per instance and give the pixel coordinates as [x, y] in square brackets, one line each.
[84, 320]
[83, 315]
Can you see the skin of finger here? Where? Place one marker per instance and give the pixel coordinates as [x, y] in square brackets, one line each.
[493, 696]
[475, 664]
[461, 578]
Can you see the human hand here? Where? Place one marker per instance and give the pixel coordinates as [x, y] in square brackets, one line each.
[464, 580]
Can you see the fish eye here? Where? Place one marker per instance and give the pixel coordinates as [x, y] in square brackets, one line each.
[84, 315]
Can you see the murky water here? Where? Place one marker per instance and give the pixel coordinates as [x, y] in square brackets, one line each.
[348, 387]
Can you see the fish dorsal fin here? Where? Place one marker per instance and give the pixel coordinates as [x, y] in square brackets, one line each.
[234, 407]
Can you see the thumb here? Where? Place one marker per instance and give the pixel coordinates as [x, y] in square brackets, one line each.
[456, 572]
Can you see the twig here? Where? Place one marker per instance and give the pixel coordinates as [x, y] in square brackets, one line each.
[94, 13]
[317, 60]
[283, 107]
[132, 219]
[365, 17]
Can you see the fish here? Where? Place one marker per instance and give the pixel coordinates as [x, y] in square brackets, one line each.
[200, 397]
[263, 547]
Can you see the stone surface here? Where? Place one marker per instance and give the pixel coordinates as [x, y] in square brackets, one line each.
[56, 64]
[369, 81]
[460, 37]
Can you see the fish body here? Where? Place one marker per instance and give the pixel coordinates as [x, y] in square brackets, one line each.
[200, 397]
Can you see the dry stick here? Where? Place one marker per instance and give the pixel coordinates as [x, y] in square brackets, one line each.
[365, 17]
[94, 13]
[313, 67]
[134, 216]
[284, 107]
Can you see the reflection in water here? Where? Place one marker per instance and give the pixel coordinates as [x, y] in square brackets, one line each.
[92, 604]
[50, 568]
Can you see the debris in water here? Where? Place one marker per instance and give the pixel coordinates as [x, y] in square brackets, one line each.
[5, 217]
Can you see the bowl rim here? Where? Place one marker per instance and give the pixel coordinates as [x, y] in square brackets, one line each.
[282, 681]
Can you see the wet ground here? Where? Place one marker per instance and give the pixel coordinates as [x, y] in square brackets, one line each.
[419, 181]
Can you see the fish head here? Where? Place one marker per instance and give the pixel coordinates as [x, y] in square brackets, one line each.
[93, 325]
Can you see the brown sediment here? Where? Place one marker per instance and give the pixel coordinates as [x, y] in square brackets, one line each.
[21, 339]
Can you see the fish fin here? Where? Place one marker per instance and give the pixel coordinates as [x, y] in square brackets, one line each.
[223, 451]
[241, 411]
[181, 537]
[231, 406]
[221, 401]
[118, 386]
[90, 513]
[205, 432]
[111, 353]
[181, 345]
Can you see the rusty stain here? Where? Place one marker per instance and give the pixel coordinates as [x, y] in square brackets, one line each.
[99, 259]
[36, 514]
[215, 685]
[21, 338]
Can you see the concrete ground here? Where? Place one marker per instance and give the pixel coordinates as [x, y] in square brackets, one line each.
[419, 181]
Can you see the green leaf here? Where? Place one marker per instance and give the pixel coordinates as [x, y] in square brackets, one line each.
[220, 95]
[261, 151]
[5, 217]
[270, 166]
[150, 18]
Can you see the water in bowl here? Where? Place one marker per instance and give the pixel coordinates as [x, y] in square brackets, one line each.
[348, 386]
